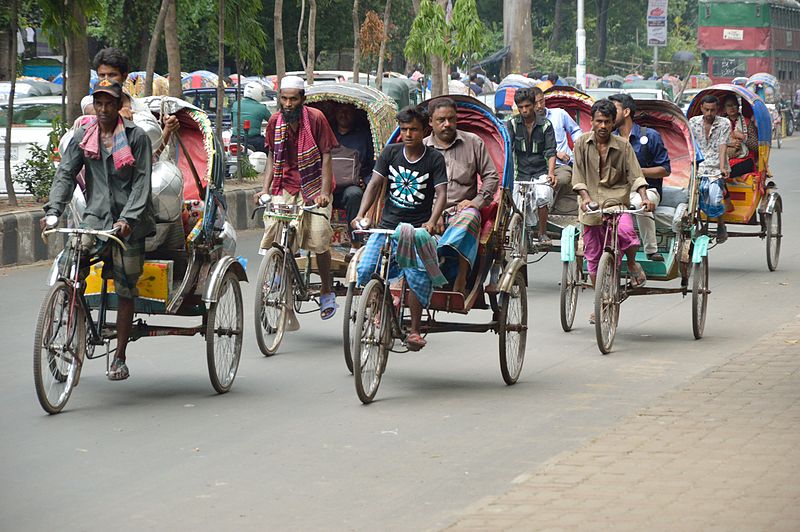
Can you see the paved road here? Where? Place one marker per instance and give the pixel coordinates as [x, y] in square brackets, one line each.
[291, 448]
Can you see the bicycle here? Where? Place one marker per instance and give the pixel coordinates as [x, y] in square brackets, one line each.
[282, 285]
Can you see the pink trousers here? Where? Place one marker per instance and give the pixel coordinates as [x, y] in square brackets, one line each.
[594, 236]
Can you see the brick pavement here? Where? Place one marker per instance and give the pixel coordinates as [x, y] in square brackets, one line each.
[721, 453]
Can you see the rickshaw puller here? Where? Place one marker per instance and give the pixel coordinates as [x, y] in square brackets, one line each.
[606, 170]
[654, 162]
[299, 172]
[117, 156]
[416, 179]
[466, 158]
[534, 147]
[713, 133]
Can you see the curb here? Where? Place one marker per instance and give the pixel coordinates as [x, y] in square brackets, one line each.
[21, 242]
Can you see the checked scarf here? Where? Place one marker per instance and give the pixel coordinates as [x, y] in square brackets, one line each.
[120, 149]
[309, 159]
[413, 243]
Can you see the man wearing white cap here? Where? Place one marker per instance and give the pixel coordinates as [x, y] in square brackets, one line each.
[307, 180]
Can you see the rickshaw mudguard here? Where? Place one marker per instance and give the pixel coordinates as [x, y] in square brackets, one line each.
[568, 241]
[700, 248]
[352, 266]
[214, 280]
[507, 278]
[773, 200]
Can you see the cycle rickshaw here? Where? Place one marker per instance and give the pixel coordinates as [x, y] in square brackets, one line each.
[381, 322]
[188, 272]
[757, 204]
[284, 282]
[678, 230]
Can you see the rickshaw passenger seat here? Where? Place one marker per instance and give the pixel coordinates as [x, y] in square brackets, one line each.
[674, 202]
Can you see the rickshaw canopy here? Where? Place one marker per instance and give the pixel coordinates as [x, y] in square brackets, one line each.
[766, 86]
[379, 107]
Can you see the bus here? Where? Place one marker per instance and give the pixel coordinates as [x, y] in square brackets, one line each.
[738, 38]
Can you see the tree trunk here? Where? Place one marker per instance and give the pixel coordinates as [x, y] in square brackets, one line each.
[300, 34]
[379, 74]
[280, 57]
[438, 81]
[312, 41]
[12, 67]
[5, 50]
[602, 29]
[558, 20]
[77, 81]
[153, 48]
[517, 34]
[173, 50]
[356, 43]
[220, 68]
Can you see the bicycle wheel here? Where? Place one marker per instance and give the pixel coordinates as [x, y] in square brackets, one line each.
[371, 332]
[271, 302]
[699, 297]
[513, 329]
[224, 328]
[516, 242]
[58, 348]
[606, 303]
[773, 238]
[570, 287]
[348, 323]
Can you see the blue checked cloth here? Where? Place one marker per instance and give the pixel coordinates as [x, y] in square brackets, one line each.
[417, 278]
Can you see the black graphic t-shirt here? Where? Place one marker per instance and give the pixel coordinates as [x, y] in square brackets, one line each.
[411, 185]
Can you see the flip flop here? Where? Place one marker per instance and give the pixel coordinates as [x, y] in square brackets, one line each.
[118, 370]
[327, 305]
[415, 342]
[638, 277]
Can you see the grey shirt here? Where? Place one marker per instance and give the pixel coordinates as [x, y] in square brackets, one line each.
[111, 194]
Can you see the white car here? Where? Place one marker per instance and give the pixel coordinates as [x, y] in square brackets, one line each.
[636, 94]
[33, 119]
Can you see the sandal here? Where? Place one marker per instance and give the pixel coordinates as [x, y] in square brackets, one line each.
[415, 342]
[638, 277]
[118, 370]
[591, 319]
[327, 306]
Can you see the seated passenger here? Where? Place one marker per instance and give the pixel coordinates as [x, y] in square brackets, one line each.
[254, 114]
[466, 158]
[743, 147]
[414, 175]
[354, 140]
[654, 161]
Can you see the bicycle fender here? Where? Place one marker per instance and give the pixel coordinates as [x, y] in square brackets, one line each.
[568, 240]
[214, 280]
[774, 199]
[700, 248]
[352, 266]
[507, 277]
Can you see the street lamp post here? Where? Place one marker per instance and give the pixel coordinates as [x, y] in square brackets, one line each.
[580, 38]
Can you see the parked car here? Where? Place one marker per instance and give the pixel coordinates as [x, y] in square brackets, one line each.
[32, 123]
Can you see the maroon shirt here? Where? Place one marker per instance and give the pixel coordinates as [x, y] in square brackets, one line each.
[323, 135]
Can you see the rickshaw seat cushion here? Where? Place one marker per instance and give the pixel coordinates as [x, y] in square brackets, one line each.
[488, 214]
[668, 219]
[673, 196]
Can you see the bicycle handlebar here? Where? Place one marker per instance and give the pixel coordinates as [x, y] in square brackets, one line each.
[375, 231]
[601, 210]
[310, 209]
[111, 233]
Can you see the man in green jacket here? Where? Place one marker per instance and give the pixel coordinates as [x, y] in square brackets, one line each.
[254, 113]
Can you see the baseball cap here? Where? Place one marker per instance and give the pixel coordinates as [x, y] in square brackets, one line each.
[109, 87]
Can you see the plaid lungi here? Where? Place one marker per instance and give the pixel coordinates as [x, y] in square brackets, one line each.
[417, 278]
[124, 266]
[460, 238]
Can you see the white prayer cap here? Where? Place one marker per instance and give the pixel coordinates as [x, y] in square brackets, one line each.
[293, 82]
[85, 102]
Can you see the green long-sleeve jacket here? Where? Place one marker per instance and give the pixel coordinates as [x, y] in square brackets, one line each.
[111, 194]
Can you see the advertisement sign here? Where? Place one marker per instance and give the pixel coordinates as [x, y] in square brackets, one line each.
[657, 22]
[732, 35]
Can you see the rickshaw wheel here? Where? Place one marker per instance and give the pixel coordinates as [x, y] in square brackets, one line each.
[773, 223]
[224, 328]
[570, 287]
[699, 297]
[270, 311]
[348, 323]
[56, 358]
[371, 331]
[513, 329]
[606, 303]
[515, 237]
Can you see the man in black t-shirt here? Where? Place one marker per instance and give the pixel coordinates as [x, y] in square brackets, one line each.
[416, 193]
